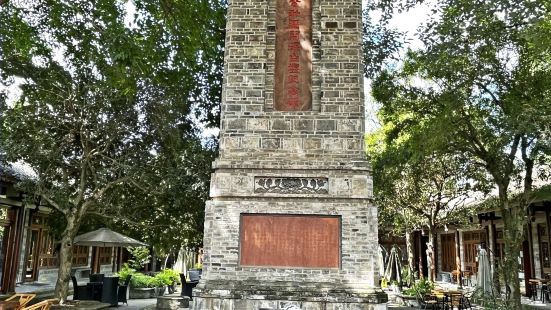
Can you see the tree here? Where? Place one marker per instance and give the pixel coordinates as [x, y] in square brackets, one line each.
[175, 181]
[478, 90]
[105, 95]
[418, 191]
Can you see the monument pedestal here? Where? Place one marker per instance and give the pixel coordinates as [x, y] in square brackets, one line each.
[302, 237]
[253, 295]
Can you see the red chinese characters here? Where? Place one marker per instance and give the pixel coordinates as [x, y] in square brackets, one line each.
[293, 56]
[293, 46]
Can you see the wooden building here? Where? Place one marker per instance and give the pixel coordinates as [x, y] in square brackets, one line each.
[28, 252]
[457, 248]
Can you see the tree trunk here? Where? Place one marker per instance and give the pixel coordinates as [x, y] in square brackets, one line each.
[66, 259]
[411, 257]
[154, 260]
[513, 232]
[165, 263]
[430, 255]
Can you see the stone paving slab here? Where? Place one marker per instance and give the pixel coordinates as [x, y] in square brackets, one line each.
[81, 304]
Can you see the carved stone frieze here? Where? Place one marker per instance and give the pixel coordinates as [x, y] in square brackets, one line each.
[291, 185]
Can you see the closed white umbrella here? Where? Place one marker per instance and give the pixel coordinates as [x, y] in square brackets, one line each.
[381, 261]
[484, 277]
[393, 270]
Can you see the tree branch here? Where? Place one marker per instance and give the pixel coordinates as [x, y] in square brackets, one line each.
[494, 98]
[53, 204]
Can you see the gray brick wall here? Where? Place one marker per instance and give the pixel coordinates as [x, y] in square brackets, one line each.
[333, 130]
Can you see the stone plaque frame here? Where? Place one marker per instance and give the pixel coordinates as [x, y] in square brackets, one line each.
[290, 240]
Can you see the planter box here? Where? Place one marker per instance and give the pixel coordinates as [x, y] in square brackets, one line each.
[160, 291]
[142, 293]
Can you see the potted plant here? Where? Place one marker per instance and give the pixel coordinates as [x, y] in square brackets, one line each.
[125, 272]
[159, 283]
[142, 286]
[170, 278]
[417, 291]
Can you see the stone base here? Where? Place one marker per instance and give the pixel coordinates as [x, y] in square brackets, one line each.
[172, 302]
[142, 293]
[285, 296]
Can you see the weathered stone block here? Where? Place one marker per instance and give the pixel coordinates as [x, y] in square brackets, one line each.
[258, 124]
[313, 306]
[278, 124]
[303, 124]
[326, 125]
[252, 143]
[359, 186]
[270, 143]
[230, 142]
[312, 144]
[236, 124]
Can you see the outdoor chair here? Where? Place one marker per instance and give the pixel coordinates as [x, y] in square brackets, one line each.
[187, 287]
[23, 299]
[544, 292]
[97, 277]
[110, 290]
[123, 291]
[533, 289]
[43, 305]
[465, 303]
[80, 292]
[454, 301]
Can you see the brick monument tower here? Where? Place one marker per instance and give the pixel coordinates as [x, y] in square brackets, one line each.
[291, 223]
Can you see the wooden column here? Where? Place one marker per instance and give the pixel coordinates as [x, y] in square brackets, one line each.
[458, 258]
[13, 247]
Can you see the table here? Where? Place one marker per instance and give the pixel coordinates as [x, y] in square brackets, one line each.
[11, 304]
[452, 298]
[94, 290]
[544, 292]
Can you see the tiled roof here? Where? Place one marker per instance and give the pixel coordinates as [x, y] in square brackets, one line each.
[18, 171]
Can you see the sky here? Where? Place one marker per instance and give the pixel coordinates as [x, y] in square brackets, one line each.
[407, 22]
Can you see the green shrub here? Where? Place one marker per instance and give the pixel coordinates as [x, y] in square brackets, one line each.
[158, 281]
[169, 276]
[125, 272]
[140, 257]
[140, 280]
[420, 288]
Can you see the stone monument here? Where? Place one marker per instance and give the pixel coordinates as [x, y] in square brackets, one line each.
[291, 223]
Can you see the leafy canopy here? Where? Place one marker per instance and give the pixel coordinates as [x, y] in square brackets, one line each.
[111, 95]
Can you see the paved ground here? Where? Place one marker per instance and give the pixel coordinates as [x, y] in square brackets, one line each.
[45, 290]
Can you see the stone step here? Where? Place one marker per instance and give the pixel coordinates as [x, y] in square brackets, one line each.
[172, 302]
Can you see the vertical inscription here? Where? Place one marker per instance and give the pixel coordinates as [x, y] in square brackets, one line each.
[293, 63]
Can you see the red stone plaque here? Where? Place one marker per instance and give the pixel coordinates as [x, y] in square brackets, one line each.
[272, 240]
[293, 61]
